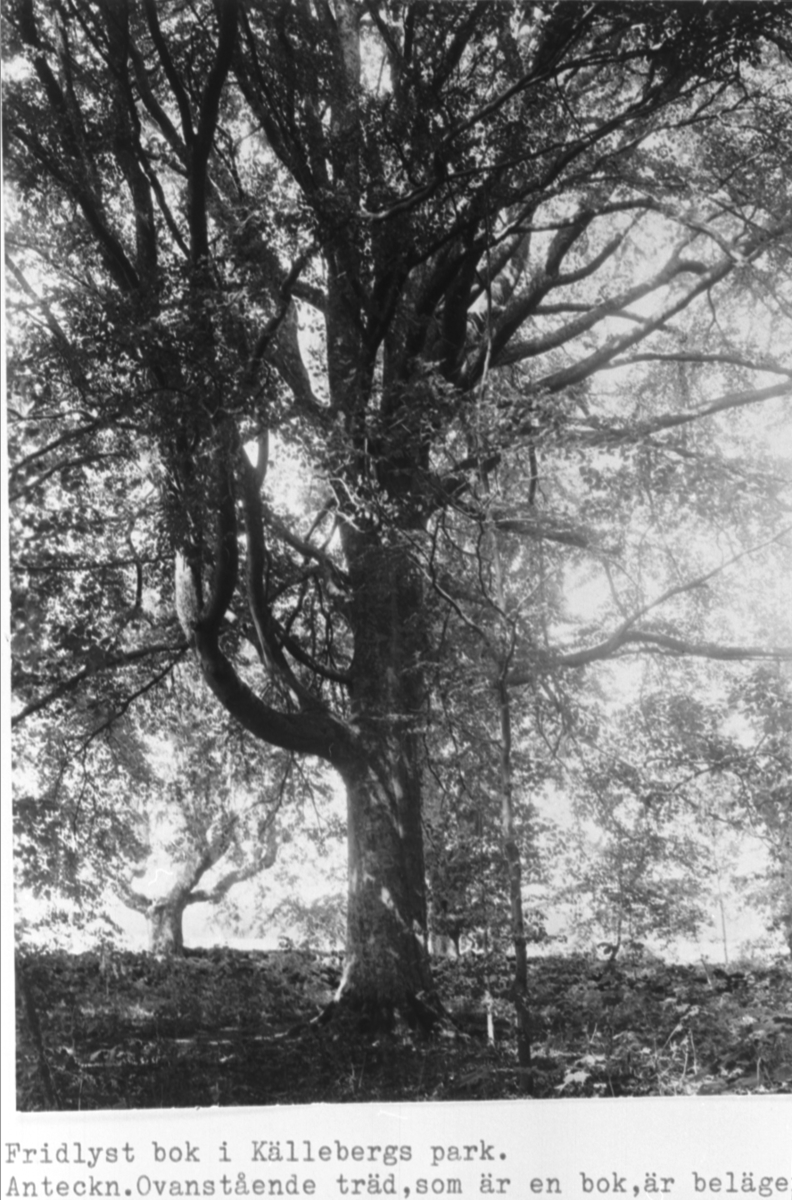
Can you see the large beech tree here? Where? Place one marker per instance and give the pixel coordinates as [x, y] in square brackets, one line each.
[409, 245]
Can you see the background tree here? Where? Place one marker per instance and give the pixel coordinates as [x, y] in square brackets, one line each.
[753, 765]
[521, 243]
[637, 848]
[153, 796]
[213, 804]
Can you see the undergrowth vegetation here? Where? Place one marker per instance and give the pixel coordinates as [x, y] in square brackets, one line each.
[120, 1030]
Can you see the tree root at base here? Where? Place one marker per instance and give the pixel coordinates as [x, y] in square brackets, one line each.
[423, 1015]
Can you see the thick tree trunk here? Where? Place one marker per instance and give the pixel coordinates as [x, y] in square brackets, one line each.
[387, 964]
[166, 935]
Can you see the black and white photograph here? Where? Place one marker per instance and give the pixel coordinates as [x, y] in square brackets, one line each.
[398, 590]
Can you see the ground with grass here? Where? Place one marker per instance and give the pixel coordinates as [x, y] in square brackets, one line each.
[121, 1030]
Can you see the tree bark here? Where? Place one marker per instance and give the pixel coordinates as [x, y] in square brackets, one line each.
[166, 935]
[387, 964]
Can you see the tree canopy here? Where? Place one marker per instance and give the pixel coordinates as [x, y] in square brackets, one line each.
[507, 287]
